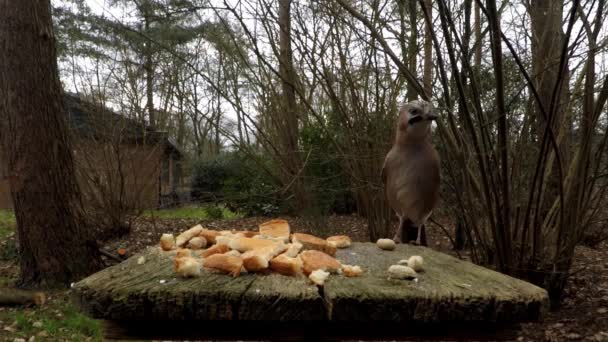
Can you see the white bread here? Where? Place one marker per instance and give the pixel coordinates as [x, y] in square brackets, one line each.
[313, 242]
[197, 242]
[318, 277]
[244, 244]
[277, 228]
[167, 242]
[209, 235]
[258, 259]
[351, 271]
[293, 249]
[249, 233]
[184, 237]
[215, 249]
[224, 239]
[339, 241]
[313, 260]
[233, 253]
[285, 265]
[224, 263]
[182, 253]
[187, 267]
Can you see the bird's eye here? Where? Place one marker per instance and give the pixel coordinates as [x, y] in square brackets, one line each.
[415, 111]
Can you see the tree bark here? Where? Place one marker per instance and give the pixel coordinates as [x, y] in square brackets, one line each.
[54, 247]
[427, 75]
[290, 133]
[412, 94]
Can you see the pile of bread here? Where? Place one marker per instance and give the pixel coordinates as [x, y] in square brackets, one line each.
[271, 249]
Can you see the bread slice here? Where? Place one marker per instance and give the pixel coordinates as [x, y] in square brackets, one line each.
[224, 263]
[249, 233]
[209, 235]
[258, 259]
[285, 265]
[184, 237]
[182, 253]
[197, 242]
[313, 242]
[215, 249]
[167, 242]
[313, 260]
[293, 249]
[339, 241]
[277, 228]
[187, 267]
[244, 244]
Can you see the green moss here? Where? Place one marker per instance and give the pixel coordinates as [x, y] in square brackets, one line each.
[7, 223]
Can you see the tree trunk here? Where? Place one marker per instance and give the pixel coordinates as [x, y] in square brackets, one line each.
[54, 246]
[149, 70]
[290, 133]
[427, 75]
[412, 94]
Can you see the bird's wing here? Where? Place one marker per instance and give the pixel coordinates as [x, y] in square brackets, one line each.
[383, 173]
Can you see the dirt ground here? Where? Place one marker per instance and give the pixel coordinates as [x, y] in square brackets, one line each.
[583, 316]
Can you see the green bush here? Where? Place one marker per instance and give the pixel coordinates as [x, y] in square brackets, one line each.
[239, 182]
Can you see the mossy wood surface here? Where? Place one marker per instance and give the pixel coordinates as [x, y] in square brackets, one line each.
[448, 290]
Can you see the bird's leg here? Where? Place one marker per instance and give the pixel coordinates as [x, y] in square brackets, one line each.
[419, 235]
[399, 232]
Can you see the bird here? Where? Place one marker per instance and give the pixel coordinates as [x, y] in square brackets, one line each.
[410, 172]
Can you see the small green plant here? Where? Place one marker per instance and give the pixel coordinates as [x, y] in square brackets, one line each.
[7, 223]
[214, 212]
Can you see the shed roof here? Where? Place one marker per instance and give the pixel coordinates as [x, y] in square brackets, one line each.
[95, 121]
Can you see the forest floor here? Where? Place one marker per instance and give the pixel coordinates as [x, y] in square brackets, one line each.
[583, 315]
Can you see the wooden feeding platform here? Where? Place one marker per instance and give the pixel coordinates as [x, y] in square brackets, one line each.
[451, 298]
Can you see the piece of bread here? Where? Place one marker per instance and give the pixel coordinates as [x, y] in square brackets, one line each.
[257, 260]
[182, 253]
[313, 260]
[233, 253]
[318, 277]
[187, 267]
[351, 271]
[277, 228]
[209, 235]
[184, 237]
[197, 242]
[339, 241]
[215, 249]
[244, 244]
[249, 233]
[285, 265]
[224, 239]
[167, 242]
[293, 249]
[224, 263]
[312, 242]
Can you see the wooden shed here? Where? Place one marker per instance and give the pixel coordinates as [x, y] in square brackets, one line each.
[117, 159]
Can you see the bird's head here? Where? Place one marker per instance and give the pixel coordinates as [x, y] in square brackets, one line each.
[415, 119]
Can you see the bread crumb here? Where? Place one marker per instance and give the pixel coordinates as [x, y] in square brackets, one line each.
[197, 242]
[187, 267]
[319, 277]
[351, 271]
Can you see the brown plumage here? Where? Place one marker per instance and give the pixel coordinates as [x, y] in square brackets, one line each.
[411, 171]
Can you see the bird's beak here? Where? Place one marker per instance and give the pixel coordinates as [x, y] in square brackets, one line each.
[414, 119]
[431, 116]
